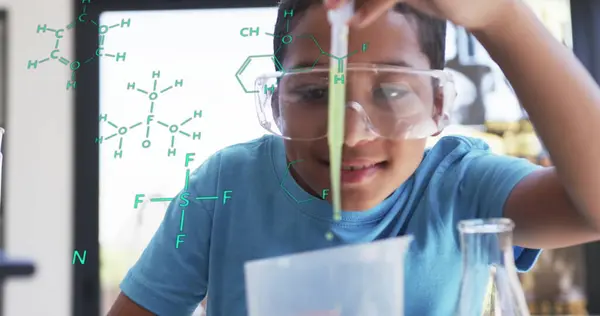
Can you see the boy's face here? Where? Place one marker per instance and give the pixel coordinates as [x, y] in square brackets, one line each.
[391, 40]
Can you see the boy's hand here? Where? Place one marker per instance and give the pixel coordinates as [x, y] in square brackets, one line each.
[471, 14]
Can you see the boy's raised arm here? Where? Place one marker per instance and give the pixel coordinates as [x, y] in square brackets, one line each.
[556, 206]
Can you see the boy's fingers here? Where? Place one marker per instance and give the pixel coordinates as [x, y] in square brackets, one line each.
[423, 7]
[370, 11]
[333, 4]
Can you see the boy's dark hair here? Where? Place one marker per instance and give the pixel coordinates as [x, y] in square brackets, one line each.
[431, 31]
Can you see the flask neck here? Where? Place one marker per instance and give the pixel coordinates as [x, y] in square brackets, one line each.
[487, 249]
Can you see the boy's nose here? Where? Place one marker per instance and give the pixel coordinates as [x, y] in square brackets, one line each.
[357, 126]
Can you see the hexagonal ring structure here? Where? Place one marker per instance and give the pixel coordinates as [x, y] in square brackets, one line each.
[245, 66]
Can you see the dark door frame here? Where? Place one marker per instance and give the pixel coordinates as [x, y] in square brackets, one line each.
[4, 42]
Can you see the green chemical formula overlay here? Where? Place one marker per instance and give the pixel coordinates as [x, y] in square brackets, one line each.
[74, 65]
[287, 39]
[174, 129]
[185, 198]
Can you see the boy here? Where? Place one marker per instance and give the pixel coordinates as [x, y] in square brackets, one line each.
[391, 186]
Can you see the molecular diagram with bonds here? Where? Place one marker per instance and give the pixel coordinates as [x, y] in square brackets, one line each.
[324, 192]
[184, 197]
[74, 65]
[287, 39]
[174, 129]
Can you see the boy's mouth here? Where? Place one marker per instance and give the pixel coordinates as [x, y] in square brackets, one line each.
[354, 168]
[359, 171]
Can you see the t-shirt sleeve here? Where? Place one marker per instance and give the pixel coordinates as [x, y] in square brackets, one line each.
[487, 181]
[171, 276]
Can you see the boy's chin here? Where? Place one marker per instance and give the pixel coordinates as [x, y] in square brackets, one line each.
[356, 203]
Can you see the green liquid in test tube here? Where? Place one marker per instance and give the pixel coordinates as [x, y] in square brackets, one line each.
[338, 19]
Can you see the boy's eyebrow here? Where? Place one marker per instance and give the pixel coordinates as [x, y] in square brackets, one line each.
[397, 63]
[324, 63]
[307, 65]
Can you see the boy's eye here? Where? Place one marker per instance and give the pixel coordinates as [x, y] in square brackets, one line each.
[390, 91]
[312, 93]
[397, 98]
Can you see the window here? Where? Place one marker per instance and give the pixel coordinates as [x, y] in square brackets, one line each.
[483, 92]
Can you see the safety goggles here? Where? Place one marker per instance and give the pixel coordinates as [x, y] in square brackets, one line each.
[387, 101]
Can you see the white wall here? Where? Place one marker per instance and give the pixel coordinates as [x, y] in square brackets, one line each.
[39, 160]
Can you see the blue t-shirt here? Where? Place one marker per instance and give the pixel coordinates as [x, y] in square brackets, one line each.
[459, 178]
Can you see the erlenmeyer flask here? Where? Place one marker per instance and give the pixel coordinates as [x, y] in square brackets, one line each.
[489, 285]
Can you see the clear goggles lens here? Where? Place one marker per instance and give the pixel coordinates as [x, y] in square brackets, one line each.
[389, 102]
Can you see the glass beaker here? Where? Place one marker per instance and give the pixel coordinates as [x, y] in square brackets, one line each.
[489, 284]
[358, 279]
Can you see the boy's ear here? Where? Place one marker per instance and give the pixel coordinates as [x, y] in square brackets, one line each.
[275, 101]
[438, 103]
[438, 108]
[275, 104]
